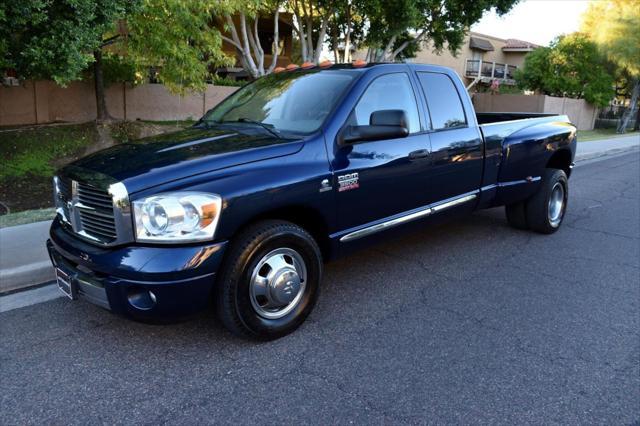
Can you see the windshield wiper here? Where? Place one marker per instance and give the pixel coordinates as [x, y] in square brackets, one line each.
[205, 123]
[268, 127]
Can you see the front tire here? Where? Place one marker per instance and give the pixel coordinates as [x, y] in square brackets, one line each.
[270, 280]
[546, 208]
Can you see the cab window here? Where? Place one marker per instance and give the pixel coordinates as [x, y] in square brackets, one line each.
[390, 91]
[445, 106]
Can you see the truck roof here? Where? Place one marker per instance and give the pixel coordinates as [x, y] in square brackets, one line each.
[369, 65]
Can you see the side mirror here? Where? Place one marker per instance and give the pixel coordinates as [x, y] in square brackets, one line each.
[383, 124]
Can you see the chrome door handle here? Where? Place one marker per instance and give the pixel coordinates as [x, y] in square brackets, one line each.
[416, 155]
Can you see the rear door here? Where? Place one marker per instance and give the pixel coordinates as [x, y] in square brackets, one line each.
[382, 178]
[456, 142]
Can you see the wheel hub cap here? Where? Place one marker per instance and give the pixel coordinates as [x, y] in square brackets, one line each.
[278, 282]
[285, 287]
[556, 204]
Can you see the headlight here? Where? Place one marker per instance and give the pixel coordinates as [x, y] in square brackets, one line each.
[175, 217]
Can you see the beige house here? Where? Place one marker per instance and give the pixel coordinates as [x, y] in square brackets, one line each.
[481, 58]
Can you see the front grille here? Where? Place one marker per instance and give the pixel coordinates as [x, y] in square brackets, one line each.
[65, 195]
[90, 210]
[95, 211]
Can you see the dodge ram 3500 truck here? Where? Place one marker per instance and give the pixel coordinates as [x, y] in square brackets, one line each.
[297, 167]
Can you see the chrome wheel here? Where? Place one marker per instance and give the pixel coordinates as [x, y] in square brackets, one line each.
[278, 283]
[556, 205]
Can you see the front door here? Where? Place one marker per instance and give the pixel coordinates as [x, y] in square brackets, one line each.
[375, 180]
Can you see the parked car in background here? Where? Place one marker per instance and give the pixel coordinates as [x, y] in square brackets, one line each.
[296, 168]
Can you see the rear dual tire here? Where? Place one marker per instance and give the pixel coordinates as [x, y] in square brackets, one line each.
[544, 211]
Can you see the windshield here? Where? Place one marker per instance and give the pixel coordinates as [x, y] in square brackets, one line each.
[296, 102]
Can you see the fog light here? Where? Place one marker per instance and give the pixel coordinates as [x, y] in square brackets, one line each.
[141, 299]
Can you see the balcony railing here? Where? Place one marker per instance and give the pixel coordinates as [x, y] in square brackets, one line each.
[494, 70]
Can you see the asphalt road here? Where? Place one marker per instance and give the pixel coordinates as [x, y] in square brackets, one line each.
[471, 322]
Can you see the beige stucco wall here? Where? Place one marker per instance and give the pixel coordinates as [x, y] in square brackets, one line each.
[580, 112]
[45, 102]
[19, 107]
[76, 102]
[486, 102]
[155, 102]
[213, 95]
[445, 58]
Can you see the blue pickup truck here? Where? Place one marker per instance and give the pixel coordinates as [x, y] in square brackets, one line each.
[241, 210]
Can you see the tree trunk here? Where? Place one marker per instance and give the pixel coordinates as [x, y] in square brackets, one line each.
[102, 114]
[276, 41]
[388, 50]
[301, 35]
[246, 47]
[347, 37]
[310, 51]
[417, 39]
[321, 36]
[334, 38]
[241, 45]
[636, 126]
[624, 121]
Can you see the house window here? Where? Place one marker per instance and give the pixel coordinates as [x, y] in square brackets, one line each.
[268, 44]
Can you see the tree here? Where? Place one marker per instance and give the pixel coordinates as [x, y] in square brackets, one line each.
[615, 27]
[391, 29]
[241, 20]
[311, 24]
[178, 40]
[346, 29]
[571, 66]
[58, 40]
[443, 22]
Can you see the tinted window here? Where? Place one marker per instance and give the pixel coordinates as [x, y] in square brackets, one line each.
[292, 101]
[443, 99]
[391, 91]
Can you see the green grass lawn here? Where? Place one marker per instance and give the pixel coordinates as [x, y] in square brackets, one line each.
[33, 150]
[31, 155]
[595, 134]
[39, 150]
[28, 216]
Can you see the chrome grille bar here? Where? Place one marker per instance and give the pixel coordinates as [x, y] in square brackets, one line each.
[93, 206]
[95, 210]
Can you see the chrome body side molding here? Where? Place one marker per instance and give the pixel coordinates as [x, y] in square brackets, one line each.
[511, 183]
[421, 212]
[409, 216]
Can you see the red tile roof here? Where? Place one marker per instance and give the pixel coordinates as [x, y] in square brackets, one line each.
[513, 43]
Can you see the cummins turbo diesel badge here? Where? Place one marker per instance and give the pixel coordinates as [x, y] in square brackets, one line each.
[347, 182]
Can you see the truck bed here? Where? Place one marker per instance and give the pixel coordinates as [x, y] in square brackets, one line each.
[496, 117]
[501, 125]
[518, 147]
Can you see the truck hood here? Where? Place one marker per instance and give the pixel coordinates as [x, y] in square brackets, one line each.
[148, 162]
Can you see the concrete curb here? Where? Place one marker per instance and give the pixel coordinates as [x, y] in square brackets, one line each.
[24, 261]
[29, 296]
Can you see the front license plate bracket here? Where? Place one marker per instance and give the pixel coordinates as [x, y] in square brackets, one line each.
[66, 284]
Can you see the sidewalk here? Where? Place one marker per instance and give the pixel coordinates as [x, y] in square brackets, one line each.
[24, 261]
[589, 150]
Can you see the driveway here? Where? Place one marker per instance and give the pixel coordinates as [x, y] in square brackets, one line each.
[470, 322]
